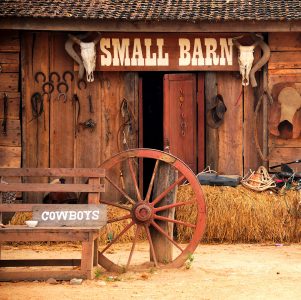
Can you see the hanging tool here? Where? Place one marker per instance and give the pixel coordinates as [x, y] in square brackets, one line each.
[54, 74]
[66, 73]
[5, 113]
[61, 93]
[80, 83]
[76, 103]
[50, 89]
[36, 77]
[91, 109]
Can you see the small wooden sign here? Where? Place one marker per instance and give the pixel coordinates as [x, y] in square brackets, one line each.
[70, 215]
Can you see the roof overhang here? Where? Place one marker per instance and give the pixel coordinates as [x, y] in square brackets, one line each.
[59, 24]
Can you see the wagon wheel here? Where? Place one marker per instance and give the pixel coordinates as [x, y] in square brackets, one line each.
[141, 212]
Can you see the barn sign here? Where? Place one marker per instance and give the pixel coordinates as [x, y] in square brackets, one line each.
[174, 52]
[70, 215]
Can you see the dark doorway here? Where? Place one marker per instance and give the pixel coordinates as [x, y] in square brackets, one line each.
[152, 119]
[152, 97]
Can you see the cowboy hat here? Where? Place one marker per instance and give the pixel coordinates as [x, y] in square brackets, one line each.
[215, 113]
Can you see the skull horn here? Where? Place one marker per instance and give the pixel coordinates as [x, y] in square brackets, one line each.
[97, 39]
[70, 50]
[263, 60]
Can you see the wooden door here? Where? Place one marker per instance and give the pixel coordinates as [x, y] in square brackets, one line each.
[180, 117]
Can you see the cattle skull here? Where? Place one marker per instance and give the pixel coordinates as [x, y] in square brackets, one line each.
[88, 55]
[246, 58]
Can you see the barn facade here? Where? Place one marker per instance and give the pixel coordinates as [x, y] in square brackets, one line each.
[167, 77]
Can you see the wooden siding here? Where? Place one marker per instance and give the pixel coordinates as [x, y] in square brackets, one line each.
[54, 140]
[10, 144]
[284, 70]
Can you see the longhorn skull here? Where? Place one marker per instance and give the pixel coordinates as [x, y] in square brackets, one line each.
[88, 55]
[246, 58]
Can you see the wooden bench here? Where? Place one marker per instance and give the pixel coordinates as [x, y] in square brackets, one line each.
[83, 232]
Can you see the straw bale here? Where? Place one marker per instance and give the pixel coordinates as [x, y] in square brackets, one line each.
[233, 215]
[240, 215]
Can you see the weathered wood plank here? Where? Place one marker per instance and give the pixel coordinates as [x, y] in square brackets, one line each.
[285, 41]
[212, 140]
[9, 41]
[275, 142]
[283, 155]
[9, 82]
[35, 59]
[9, 62]
[45, 187]
[62, 115]
[13, 105]
[39, 262]
[10, 157]
[201, 121]
[163, 248]
[251, 158]
[13, 134]
[51, 172]
[285, 60]
[38, 275]
[231, 131]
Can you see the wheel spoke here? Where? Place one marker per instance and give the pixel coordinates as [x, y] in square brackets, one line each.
[120, 190]
[151, 184]
[174, 221]
[119, 219]
[134, 180]
[163, 194]
[125, 229]
[173, 205]
[133, 246]
[115, 204]
[151, 245]
[166, 235]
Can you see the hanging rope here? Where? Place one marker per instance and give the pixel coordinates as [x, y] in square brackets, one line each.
[269, 97]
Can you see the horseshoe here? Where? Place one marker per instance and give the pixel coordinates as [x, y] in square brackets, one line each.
[50, 89]
[66, 73]
[84, 83]
[56, 74]
[36, 77]
[61, 93]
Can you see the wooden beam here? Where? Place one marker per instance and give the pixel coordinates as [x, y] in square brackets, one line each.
[53, 172]
[47, 187]
[17, 23]
[39, 262]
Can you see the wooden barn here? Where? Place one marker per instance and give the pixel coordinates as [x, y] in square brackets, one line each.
[165, 70]
[214, 83]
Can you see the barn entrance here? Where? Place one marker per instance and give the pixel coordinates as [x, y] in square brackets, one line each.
[173, 115]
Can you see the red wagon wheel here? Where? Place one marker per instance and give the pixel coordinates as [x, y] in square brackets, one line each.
[140, 212]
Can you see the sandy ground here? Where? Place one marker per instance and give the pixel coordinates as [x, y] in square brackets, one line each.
[217, 272]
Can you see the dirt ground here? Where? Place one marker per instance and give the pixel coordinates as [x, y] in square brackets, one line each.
[217, 272]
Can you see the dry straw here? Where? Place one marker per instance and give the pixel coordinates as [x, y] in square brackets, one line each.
[233, 215]
[240, 215]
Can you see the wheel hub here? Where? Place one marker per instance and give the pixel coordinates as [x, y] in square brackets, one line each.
[142, 212]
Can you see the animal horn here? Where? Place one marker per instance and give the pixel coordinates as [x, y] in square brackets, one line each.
[70, 50]
[97, 39]
[235, 41]
[74, 39]
[262, 61]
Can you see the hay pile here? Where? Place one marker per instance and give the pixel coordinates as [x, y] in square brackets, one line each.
[233, 215]
[241, 215]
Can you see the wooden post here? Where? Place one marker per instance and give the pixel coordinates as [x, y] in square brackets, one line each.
[93, 198]
[163, 247]
[265, 131]
[212, 136]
